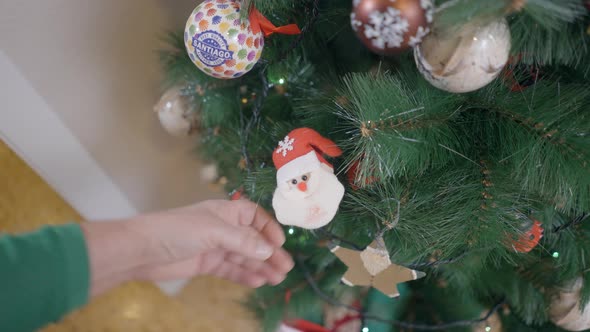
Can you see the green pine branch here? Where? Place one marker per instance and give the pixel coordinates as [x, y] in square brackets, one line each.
[549, 150]
[395, 127]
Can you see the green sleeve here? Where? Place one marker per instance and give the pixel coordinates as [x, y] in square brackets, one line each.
[43, 276]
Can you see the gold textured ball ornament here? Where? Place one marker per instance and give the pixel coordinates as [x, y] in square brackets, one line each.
[175, 115]
[464, 60]
[388, 27]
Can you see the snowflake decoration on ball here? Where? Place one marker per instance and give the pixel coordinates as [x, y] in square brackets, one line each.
[428, 7]
[356, 24]
[386, 29]
[420, 34]
[286, 145]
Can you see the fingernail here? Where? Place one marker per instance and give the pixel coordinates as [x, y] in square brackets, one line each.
[278, 280]
[258, 283]
[263, 250]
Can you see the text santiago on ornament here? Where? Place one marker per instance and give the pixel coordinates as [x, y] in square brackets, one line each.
[212, 50]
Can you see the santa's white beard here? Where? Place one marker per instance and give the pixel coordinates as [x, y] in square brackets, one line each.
[317, 209]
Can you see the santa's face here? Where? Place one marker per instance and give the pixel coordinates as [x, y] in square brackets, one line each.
[301, 186]
[311, 201]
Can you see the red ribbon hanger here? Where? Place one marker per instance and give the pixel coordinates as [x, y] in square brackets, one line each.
[260, 23]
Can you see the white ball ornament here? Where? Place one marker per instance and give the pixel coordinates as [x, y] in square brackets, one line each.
[220, 43]
[466, 60]
[174, 114]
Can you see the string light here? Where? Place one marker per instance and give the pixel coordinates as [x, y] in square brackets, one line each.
[244, 100]
[555, 254]
[365, 329]
[488, 328]
[291, 231]
[281, 81]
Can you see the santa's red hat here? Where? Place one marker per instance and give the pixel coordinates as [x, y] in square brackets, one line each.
[301, 152]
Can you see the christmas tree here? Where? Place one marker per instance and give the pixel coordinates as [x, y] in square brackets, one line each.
[460, 132]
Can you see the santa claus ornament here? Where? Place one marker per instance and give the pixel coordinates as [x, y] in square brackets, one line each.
[308, 193]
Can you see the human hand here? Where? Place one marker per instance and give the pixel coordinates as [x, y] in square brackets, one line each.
[235, 240]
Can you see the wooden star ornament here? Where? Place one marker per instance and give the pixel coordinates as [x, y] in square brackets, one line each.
[373, 267]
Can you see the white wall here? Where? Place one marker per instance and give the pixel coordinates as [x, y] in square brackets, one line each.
[93, 62]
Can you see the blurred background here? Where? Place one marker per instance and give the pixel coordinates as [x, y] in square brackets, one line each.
[80, 141]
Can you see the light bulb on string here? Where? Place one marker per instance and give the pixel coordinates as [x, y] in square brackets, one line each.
[365, 329]
[555, 254]
[281, 81]
[291, 230]
[488, 328]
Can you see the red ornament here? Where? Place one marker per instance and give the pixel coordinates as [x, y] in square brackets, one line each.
[388, 27]
[236, 195]
[531, 76]
[529, 239]
[352, 176]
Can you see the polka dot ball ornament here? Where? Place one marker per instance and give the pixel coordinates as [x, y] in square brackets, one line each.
[223, 45]
[219, 43]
